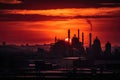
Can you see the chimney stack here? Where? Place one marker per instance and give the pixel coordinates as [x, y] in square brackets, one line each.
[78, 34]
[55, 39]
[90, 39]
[68, 35]
[82, 38]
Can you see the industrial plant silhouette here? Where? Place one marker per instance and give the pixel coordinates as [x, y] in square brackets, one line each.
[75, 47]
[65, 59]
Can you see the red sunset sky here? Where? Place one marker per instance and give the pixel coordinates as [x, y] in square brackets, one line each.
[39, 21]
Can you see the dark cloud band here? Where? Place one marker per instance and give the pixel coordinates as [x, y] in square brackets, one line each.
[54, 4]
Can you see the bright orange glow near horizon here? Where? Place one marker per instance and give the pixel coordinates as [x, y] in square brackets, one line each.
[66, 39]
[44, 31]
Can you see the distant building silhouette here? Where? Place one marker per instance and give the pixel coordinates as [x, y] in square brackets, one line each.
[3, 43]
[60, 48]
[96, 47]
[77, 46]
[108, 48]
[27, 44]
[117, 53]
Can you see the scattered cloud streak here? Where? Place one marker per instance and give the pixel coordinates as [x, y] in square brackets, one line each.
[72, 12]
[10, 1]
[56, 14]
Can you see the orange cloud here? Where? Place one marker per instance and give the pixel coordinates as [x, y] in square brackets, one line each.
[69, 12]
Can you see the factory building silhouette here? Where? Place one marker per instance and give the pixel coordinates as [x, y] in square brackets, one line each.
[108, 48]
[75, 47]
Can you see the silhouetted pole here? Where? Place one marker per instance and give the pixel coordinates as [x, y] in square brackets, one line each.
[78, 34]
[90, 40]
[82, 38]
[68, 50]
[55, 39]
[69, 35]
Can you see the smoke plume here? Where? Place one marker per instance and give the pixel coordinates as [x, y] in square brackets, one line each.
[89, 22]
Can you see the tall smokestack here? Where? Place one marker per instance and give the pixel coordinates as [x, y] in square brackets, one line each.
[78, 34]
[55, 39]
[68, 35]
[82, 38]
[90, 34]
[90, 39]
